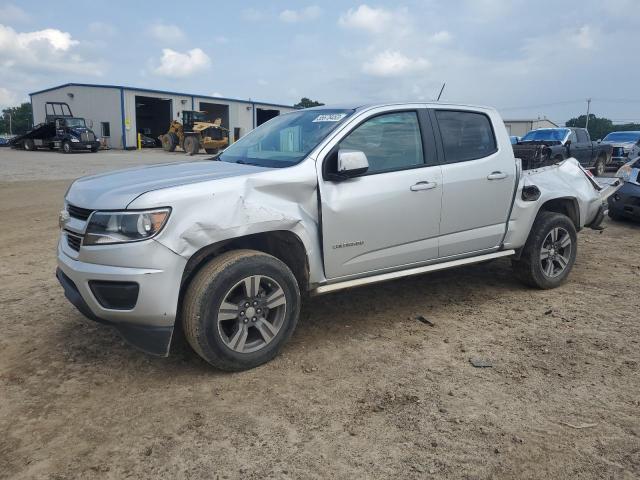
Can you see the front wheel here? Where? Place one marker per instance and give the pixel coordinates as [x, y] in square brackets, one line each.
[66, 147]
[192, 145]
[550, 252]
[240, 309]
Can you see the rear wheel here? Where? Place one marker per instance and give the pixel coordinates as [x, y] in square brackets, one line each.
[29, 144]
[550, 252]
[598, 169]
[169, 142]
[240, 309]
[192, 145]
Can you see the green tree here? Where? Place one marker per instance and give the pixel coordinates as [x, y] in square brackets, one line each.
[598, 126]
[307, 103]
[20, 119]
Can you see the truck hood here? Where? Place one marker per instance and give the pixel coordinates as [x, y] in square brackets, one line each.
[116, 190]
[626, 145]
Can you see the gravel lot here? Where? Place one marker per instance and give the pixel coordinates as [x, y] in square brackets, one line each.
[363, 390]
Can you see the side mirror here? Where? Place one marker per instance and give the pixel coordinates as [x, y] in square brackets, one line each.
[568, 143]
[599, 140]
[352, 163]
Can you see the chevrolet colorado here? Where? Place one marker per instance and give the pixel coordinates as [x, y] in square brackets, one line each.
[312, 202]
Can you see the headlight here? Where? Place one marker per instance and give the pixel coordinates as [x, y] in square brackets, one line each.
[74, 139]
[125, 226]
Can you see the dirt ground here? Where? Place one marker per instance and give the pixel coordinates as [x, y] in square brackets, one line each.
[363, 390]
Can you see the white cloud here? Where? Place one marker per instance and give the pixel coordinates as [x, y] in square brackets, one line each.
[103, 29]
[176, 64]
[8, 98]
[375, 20]
[392, 63]
[43, 51]
[12, 13]
[583, 38]
[166, 33]
[293, 16]
[442, 36]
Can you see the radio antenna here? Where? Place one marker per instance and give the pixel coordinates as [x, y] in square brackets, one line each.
[441, 90]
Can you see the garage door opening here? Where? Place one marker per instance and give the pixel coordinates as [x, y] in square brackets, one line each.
[153, 116]
[264, 115]
[215, 110]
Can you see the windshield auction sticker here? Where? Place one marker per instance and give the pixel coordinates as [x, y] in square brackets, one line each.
[332, 117]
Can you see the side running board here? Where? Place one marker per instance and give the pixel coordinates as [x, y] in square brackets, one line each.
[383, 277]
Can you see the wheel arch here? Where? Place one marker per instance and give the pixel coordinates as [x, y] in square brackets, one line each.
[282, 244]
[565, 205]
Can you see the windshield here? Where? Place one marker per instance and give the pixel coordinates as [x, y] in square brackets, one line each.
[546, 135]
[622, 137]
[75, 122]
[285, 140]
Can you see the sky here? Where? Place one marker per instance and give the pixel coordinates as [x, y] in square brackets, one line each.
[528, 58]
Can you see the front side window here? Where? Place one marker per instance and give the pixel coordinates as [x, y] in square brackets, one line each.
[573, 137]
[75, 122]
[582, 136]
[465, 135]
[285, 140]
[390, 142]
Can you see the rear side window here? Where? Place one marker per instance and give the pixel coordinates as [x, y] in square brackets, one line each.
[391, 142]
[465, 135]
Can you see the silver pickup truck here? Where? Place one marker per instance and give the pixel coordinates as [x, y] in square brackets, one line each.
[312, 202]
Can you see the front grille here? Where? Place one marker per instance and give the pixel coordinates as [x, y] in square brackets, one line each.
[617, 152]
[87, 137]
[74, 241]
[79, 213]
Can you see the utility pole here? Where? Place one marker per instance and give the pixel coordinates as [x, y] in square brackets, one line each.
[586, 124]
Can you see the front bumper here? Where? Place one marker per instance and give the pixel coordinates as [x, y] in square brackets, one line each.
[86, 146]
[626, 201]
[149, 324]
[618, 161]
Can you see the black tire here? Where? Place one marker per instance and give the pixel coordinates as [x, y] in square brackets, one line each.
[29, 144]
[529, 267]
[211, 151]
[599, 168]
[192, 145]
[94, 149]
[65, 147]
[211, 286]
[169, 142]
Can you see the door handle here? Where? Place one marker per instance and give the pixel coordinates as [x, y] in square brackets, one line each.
[423, 186]
[496, 176]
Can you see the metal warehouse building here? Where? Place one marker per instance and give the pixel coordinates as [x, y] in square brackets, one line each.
[521, 127]
[119, 113]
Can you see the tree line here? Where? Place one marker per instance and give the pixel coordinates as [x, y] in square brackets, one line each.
[600, 127]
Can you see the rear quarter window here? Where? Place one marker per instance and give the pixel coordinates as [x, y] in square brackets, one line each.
[465, 135]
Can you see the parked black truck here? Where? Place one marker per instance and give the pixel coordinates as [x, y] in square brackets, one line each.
[545, 146]
[60, 130]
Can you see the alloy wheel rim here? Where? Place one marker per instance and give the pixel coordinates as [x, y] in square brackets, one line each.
[555, 253]
[251, 314]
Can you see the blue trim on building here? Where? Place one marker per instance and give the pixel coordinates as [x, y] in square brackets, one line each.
[192, 103]
[124, 131]
[162, 92]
